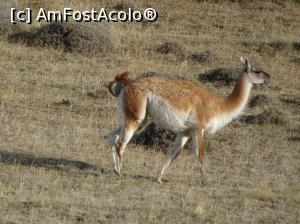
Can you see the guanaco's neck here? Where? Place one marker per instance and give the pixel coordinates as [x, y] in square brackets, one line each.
[232, 106]
[236, 101]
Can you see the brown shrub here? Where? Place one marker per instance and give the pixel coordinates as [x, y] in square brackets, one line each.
[101, 93]
[220, 76]
[260, 100]
[296, 45]
[205, 56]
[65, 101]
[153, 136]
[123, 5]
[293, 100]
[278, 45]
[69, 36]
[167, 75]
[269, 116]
[170, 48]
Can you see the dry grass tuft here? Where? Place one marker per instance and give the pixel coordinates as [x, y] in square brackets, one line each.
[293, 100]
[167, 75]
[296, 45]
[203, 57]
[65, 101]
[220, 76]
[260, 100]
[269, 116]
[100, 93]
[69, 36]
[272, 47]
[276, 45]
[170, 48]
[123, 5]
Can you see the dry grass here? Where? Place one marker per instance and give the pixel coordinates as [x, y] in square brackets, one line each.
[56, 168]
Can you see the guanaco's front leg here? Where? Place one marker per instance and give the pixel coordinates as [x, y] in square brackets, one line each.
[200, 152]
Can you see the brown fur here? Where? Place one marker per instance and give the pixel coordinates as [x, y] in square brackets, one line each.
[183, 95]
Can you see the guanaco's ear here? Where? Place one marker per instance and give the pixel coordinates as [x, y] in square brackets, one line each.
[122, 76]
[245, 63]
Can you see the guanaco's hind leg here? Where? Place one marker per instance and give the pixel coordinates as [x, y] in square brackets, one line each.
[121, 141]
[112, 137]
[199, 152]
[174, 152]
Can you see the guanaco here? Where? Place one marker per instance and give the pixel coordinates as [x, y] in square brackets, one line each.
[180, 106]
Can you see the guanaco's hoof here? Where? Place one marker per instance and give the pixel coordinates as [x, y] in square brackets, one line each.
[204, 181]
[116, 172]
[158, 180]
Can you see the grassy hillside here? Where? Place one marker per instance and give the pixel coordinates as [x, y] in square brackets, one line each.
[55, 166]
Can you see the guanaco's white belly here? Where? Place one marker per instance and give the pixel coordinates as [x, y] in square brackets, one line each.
[168, 117]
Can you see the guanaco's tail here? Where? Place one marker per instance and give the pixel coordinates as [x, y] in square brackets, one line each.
[118, 83]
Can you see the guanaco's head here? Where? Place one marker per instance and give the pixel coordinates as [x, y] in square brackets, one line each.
[256, 75]
[115, 87]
